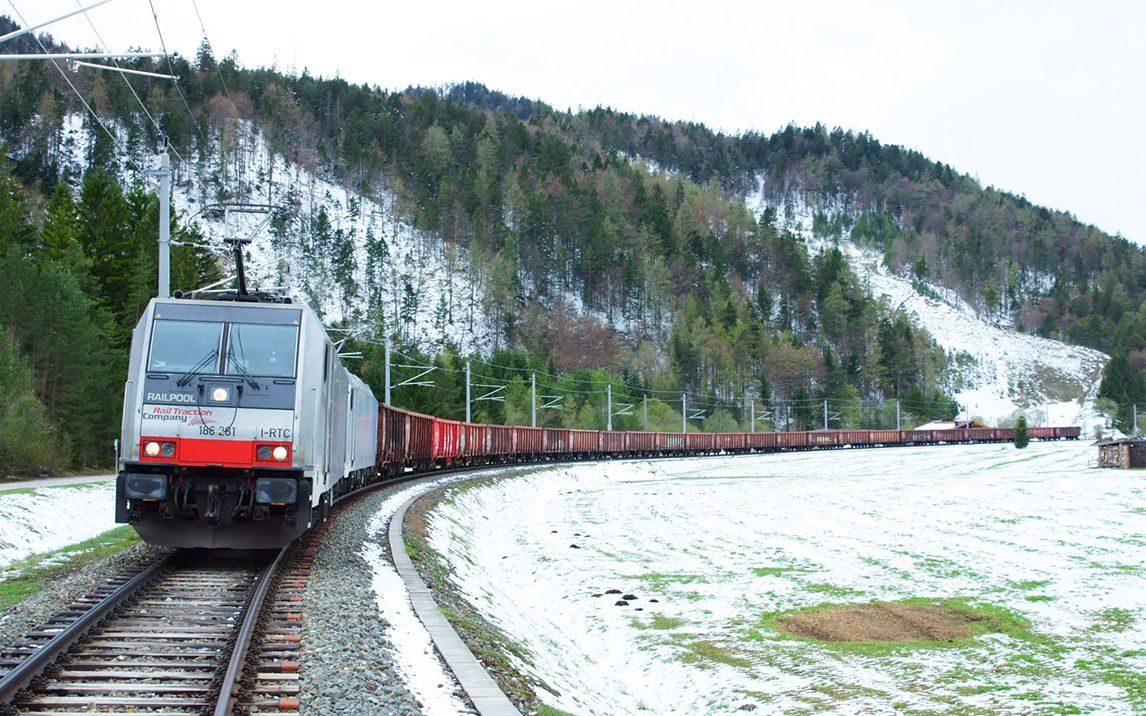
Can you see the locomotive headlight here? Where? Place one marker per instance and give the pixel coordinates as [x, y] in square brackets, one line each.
[263, 452]
[279, 453]
[220, 395]
[151, 449]
[168, 449]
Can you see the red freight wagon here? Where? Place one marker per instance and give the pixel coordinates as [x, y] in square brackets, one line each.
[612, 442]
[419, 441]
[556, 441]
[671, 442]
[824, 439]
[582, 442]
[760, 441]
[701, 442]
[530, 441]
[391, 440]
[500, 440]
[877, 437]
[793, 440]
[475, 441]
[446, 436]
[732, 442]
[641, 443]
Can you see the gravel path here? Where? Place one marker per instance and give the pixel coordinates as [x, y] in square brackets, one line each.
[20, 619]
[345, 661]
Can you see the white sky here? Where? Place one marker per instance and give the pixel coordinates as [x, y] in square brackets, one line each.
[1043, 99]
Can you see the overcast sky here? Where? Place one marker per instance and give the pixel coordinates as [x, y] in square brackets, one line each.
[1041, 98]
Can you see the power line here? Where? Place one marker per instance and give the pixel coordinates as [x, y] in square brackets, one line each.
[218, 71]
[127, 82]
[171, 68]
[68, 80]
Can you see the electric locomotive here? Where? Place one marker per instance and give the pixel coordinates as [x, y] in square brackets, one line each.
[240, 424]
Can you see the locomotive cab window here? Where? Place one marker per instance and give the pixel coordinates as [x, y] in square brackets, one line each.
[179, 346]
[261, 350]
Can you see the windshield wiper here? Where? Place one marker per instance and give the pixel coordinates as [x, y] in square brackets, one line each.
[197, 368]
[242, 370]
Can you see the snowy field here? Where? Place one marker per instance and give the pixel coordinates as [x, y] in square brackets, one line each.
[35, 520]
[720, 543]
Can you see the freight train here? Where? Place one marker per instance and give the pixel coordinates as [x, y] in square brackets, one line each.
[241, 427]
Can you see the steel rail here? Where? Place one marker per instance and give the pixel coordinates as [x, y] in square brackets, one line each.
[29, 669]
[229, 690]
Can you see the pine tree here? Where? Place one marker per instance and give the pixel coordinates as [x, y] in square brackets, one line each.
[1022, 435]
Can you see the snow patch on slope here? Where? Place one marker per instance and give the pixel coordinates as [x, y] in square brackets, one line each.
[996, 372]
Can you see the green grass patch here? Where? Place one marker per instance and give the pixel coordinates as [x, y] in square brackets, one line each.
[659, 622]
[1039, 598]
[543, 710]
[1113, 620]
[1031, 584]
[29, 575]
[832, 590]
[704, 653]
[18, 491]
[781, 571]
[659, 581]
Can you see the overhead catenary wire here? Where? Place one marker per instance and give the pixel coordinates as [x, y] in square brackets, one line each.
[75, 90]
[218, 71]
[127, 82]
[171, 68]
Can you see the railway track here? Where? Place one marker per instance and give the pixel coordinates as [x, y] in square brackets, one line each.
[187, 634]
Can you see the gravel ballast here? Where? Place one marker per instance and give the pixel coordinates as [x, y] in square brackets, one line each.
[345, 663]
[20, 619]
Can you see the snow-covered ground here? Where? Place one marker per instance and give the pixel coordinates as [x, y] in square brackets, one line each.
[48, 518]
[721, 542]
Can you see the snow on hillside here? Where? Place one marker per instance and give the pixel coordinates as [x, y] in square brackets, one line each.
[424, 288]
[416, 274]
[996, 371]
[702, 550]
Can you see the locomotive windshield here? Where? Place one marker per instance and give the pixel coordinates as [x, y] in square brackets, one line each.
[261, 350]
[177, 346]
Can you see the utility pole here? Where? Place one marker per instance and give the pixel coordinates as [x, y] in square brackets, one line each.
[1135, 419]
[645, 412]
[683, 413]
[164, 174]
[897, 414]
[753, 404]
[467, 391]
[825, 415]
[388, 371]
[533, 400]
[609, 405]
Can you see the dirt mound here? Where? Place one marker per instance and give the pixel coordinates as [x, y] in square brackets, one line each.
[881, 622]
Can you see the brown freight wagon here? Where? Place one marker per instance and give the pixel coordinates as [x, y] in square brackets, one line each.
[500, 442]
[761, 441]
[582, 443]
[612, 443]
[529, 442]
[641, 443]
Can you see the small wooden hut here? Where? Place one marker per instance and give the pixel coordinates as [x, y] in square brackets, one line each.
[1123, 453]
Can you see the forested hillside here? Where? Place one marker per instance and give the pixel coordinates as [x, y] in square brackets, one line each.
[610, 248]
